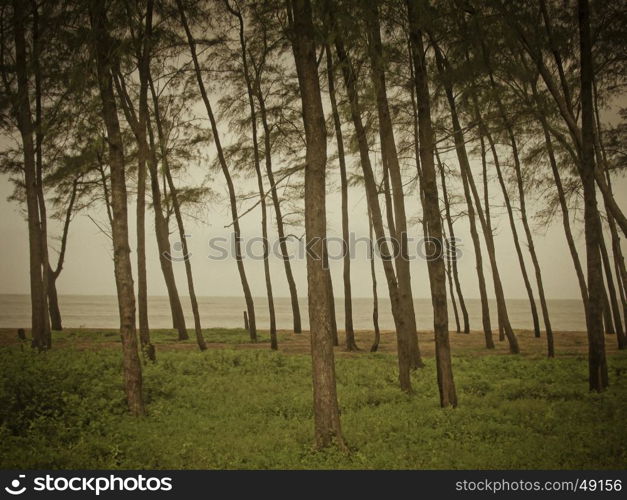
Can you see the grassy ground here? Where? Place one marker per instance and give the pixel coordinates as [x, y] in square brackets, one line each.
[243, 406]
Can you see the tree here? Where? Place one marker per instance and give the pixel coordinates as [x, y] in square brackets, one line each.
[326, 410]
[122, 261]
[597, 364]
[435, 263]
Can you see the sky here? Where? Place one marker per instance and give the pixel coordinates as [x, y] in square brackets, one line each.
[88, 267]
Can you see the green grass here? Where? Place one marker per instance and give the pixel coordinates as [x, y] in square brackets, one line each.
[252, 409]
[162, 335]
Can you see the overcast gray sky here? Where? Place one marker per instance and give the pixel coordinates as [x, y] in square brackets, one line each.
[89, 268]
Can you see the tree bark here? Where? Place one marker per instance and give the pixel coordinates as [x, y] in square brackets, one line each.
[291, 283]
[200, 340]
[375, 296]
[326, 409]
[149, 152]
[435, 264]
[25, 125]
[462, 157]
[405, 326]
[163, 241]
[122, 260]
[611, 291]
[453, 246]
[348, 302]
[389, 157]
[250, 306]
[597, 364]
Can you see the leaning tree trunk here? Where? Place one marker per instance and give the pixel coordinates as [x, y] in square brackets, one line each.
[611, 291]
[143, 153]
[597, 363]
[375, 295]
[437, 275]
[291, 283]
[25, 125]
[403, 322]
[488, 218]
[200, 340]
[348, 303]
[461, 155]
[264, 219]
[119, 229]
[453, 246]
[326, 410]
[163, 242]
[471, 189]
[389, 158]
[250, 306]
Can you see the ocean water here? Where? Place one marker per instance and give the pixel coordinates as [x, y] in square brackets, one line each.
[101, 311]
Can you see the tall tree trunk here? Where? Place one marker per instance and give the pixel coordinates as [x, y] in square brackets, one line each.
[597, 364]
[403, 321]
[449, 277]
[389, 158]
[437, 275]
[25, 125]
[611, 290]
[264, 219]
[471, 189]
[148, 153]
[348, 302]
[488, 218]
[119, 229]
[163, 241]
[326, 409]
[562, 199]
[142, 284]
[291, 283]
[200, 340]
[460, 149]
[375, 295]
[453, 245]
[250, 306]
[53, 300]
[39, 139]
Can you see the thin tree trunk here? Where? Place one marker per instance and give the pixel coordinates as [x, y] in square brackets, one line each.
[179, 217]
[225, 171]
[148, 151]
[326, 409]
[510, 213]
[264, 219]
[163, 241]
[611, 290]
[436, 267]
[278, 215]
[405, 326]
[389, 157]
[142, 284]
[486, 201]
[463, 160]
[375, 296]
[471, 189]
[348, 303]
[453, 245]
[562, 200]
[25, 125]
[122, 260]
[597, 364]
[39, 138]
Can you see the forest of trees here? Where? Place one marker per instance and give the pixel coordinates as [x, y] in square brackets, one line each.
[106, 103]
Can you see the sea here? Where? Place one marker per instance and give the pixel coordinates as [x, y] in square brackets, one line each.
[101, 311]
